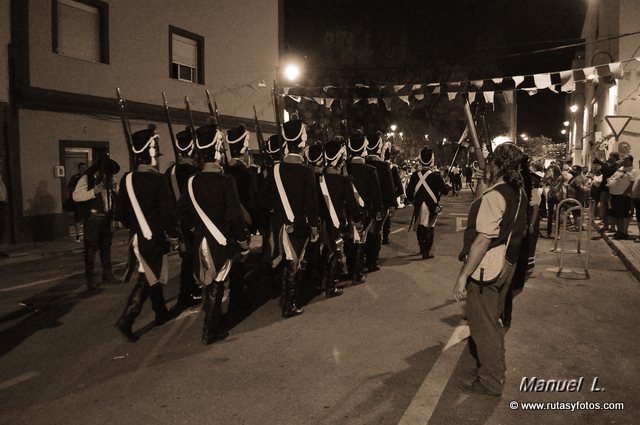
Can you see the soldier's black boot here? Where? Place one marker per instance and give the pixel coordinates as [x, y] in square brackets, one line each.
[158, 304]
[356, 276]
[425, 241]
[331, 278]
[213, 328]
[105, 261]
[289, 308]
[137, 297]
[386, 230]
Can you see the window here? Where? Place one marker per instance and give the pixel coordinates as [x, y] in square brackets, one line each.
[186, 56]
[80, 29]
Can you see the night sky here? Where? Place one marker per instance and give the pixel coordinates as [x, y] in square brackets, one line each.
[427, 41]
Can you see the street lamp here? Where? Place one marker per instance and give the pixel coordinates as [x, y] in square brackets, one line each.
[566, 123]
[573, 109]
[393, 127]
[563, 131]
[292, 72]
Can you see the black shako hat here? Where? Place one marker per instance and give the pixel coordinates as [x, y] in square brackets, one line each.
[313, 153]
[238, 139]
[334, 150]
[295, 135]
[145, 145]
[273, 144]
[374, 145]
[184, 142]
[209, 142]
[357, 143]
[426, 157]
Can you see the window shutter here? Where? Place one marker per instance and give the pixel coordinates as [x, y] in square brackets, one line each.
[78, 30]
[185, 51]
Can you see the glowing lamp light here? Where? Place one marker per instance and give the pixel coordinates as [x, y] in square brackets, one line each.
[500, 140]
[393, 127]
[574, 108]
[566, 123]
[400, 134]
[563, 131]
[292, 72]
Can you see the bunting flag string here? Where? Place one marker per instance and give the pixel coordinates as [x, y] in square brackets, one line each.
[558, 81]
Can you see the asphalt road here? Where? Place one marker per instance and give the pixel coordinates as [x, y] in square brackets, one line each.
[389, 351]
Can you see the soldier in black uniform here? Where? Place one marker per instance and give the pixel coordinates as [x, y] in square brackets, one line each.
[290, 194]
[94, 196]
[424, 190]
[144, 206]
[340, 216]
[211, 208]
[247, 185]
[190, 293]
[315, 264]
[374, 149]
[397, 184]
[368, 195]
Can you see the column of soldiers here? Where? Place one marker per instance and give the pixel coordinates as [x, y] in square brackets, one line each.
[320, 206]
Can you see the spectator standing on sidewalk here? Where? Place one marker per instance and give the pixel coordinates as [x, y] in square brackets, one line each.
[71, 205]
[4, 202]
[607, 169]
[619, 185]
[635, 198]
[555, 182]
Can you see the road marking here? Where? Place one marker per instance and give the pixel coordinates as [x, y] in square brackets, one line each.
[426, 399]
[399, 230]
[18, 379]
[50, 280]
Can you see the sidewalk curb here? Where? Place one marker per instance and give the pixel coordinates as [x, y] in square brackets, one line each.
[34, 255]
[632, 266]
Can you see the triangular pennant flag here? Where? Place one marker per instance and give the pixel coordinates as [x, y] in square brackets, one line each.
[419, 96]
[372, 100]
[436, 90]
[497, 80]
[542, 81]
[387, 103]
[362, 86]
[553, 88]
[518, 80]
[565, 76]
[616, 69]
[319, 100]
[478, 83]
[531, 92]
[488, 96]
[397, 88]
[590, 73]
[416, 87]
[472, 97]
[329, 102]
[569, 86]
[405, 99]
[452, 95]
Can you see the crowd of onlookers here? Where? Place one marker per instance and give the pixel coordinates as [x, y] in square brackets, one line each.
[612, 187]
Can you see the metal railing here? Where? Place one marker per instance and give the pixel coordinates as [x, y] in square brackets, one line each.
[561, 233]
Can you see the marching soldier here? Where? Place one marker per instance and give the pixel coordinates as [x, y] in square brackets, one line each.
[424, 190]
[211, 208]
[315, 265]
[375, 148]
[338, 211]
[246, 182]
[397, 184]
[144, 206]
[289, 193]
[177, 175]
[366, 188]
[94, 195]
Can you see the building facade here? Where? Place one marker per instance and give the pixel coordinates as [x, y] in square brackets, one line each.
[605, 26]
[65, 59]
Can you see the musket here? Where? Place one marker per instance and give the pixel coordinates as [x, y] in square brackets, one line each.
[261, 143]
[171, 134]
[213, 110]
[190, 115]
[276, 109]
[125, 127]
[474, 135]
